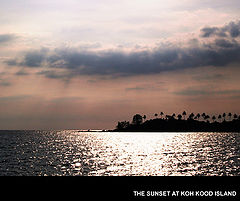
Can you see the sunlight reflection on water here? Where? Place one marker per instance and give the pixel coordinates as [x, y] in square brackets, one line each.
[78, 153]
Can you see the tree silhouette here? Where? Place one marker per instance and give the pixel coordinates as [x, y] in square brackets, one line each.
[198, 116]
[220, 117]
[203, 115]
[123, 124]
[184, 114]
[229, 115]
[191, 116]
[179, 117]
[156, 115]
[137, 119]
[169, 123]
[169, 117]
[144, 117]
[224, 116]
[206, 117]
[161, 114]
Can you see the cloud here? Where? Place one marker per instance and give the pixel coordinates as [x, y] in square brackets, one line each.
[22, 72]
[53, 74]
[157, 86]
[144, 62]
[135, 89]
[12, 62]
[67, 99]
[14, 98]
[6, 38]
[193, 92]
[200, 92]
[35, 58]
[214, 77]
[232, 29]
[4, 83]
[226, 43]
[76, 62]
[210, 31]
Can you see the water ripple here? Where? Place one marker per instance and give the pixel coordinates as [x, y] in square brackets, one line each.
[77, 153]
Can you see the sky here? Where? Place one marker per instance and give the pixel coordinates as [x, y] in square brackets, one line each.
[74, 64]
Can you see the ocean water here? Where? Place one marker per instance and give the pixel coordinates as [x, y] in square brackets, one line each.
[71, 152]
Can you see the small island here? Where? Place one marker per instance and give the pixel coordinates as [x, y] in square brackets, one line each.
[226, 122]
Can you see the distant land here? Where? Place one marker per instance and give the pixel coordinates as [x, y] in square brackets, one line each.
[226, 122]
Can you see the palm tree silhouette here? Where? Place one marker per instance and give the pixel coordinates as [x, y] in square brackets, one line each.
[220, 117]
[179, 117]
[224, 116]
[229, 115]
[198, 116]
[137, 119]
[191, 116]
[184, 114]
[206, 117]
[161, 114]
[203, 115]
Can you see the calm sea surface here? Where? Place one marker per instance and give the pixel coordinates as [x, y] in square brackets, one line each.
[94, 153]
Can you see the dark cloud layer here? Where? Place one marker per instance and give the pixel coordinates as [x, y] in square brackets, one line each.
[35, 58]
[6, 38]
[232, 29]
[222, 51]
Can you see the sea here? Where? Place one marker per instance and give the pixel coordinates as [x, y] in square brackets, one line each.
[78, 153]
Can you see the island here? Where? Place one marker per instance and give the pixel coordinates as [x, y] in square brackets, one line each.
[226, 122]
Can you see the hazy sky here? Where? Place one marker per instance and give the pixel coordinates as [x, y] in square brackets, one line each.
[74, 64]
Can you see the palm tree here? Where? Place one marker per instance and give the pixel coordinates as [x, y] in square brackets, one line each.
[184, 114]
[206, 117]
[220, 117]
[224, 115]
[137, 119]
[198, 116]
[229, 115]
[161, 114]
[203, 115]
[179, 117]
[191, 116]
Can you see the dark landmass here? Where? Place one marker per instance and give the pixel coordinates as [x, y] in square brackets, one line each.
[172, 124]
